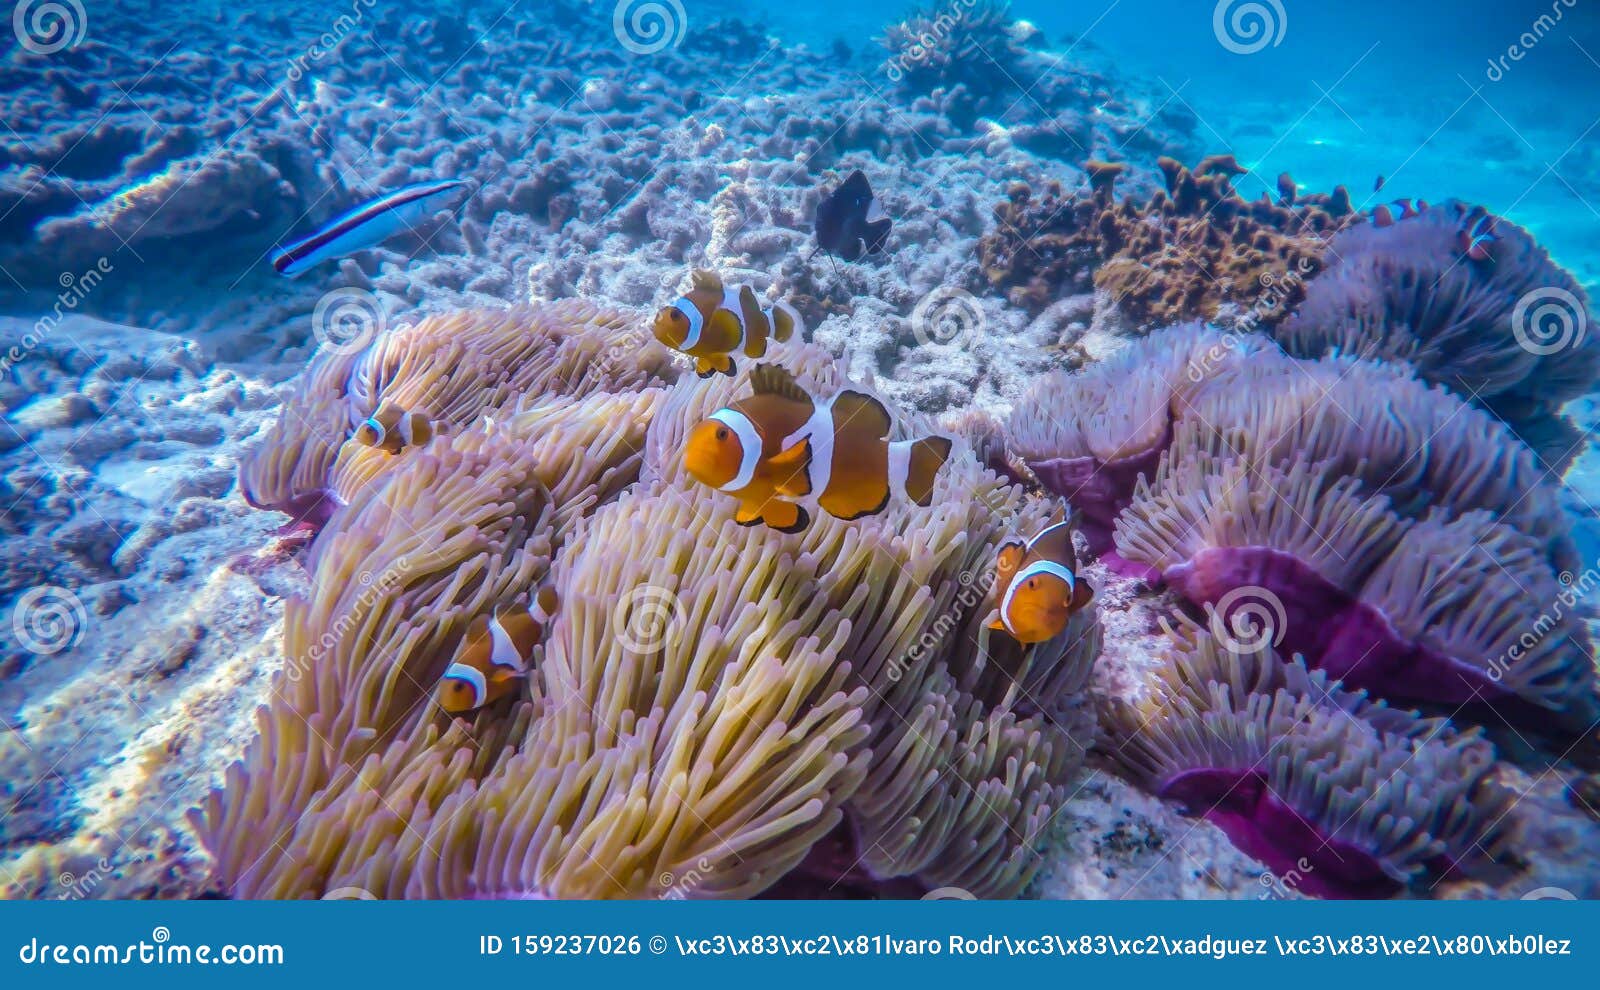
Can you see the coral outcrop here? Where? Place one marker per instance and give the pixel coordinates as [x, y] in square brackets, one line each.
[1185, 253]
[711, 703]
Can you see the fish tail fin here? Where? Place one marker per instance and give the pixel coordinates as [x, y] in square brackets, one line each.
[922, 460]
[785, 321]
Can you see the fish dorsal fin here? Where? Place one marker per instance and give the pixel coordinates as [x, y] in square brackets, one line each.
[858, 410]
[1054, 542]
[705, 280]
[772, 379]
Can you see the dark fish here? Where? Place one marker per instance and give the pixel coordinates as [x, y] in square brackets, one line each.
[851, 221]
[366, 225]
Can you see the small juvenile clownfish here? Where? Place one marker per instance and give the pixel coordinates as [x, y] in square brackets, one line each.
[712, 323]
[780, 446]
[1388, 214]
[494, 657]
[1037, 587]
[393, 429]
[1477, 234]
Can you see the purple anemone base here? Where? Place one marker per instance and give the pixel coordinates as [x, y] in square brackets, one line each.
[1336, 632]
[1301, 856]
[1099, 490]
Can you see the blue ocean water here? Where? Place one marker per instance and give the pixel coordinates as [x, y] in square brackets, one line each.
[1492, 101]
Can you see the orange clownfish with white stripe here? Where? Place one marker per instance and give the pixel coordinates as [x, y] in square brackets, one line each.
[1037, 587]
[393, 429]
[780, 447]
[712, 323]
[494, 657]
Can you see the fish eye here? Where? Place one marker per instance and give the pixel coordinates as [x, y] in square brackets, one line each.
[1033, 583]
[675, 316]
[722, 433]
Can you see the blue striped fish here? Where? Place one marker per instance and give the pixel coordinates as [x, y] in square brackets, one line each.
[365, 226]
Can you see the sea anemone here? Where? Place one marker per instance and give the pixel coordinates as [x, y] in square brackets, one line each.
[453, 368]
[1436, 611]
[1339, 796]
[1506, 332]
[711, 701]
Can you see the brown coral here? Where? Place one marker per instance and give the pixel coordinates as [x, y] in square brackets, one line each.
[1186, 253]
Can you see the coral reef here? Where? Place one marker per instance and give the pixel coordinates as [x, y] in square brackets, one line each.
[1506, 332]
[711, 702]
[1346, 796]
[1185, 253]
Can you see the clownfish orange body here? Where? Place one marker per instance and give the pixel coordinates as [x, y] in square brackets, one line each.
[1037, 587]
[1388, 214]
[494, 657]
[780, 447]
[712, 323]
[393, 429]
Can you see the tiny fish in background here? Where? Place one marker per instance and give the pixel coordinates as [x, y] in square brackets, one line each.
[850, 220]
[1477, 234]
[780, 446]
[367, 225]
[1388, 214]
[393, 429]
[495, 656]
[712, 323]
[1037, 587]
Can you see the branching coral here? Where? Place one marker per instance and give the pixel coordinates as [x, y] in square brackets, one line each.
[1507, 331]
[1348, 797]
[970, 42]
[1184, 254]
[453, 368]
[711, 700]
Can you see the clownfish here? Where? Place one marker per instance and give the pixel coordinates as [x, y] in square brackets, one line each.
[1477, 233]
[393, 429]
[1387, 214]
[780, 446]
[1037, 587]
[711, 323]
[494, 657]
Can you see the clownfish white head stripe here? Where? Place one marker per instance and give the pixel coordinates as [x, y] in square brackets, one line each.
[470, 677]
[377, 428]
[697, 323]
[1042, 533]
[749, 445]
[1035, 569]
